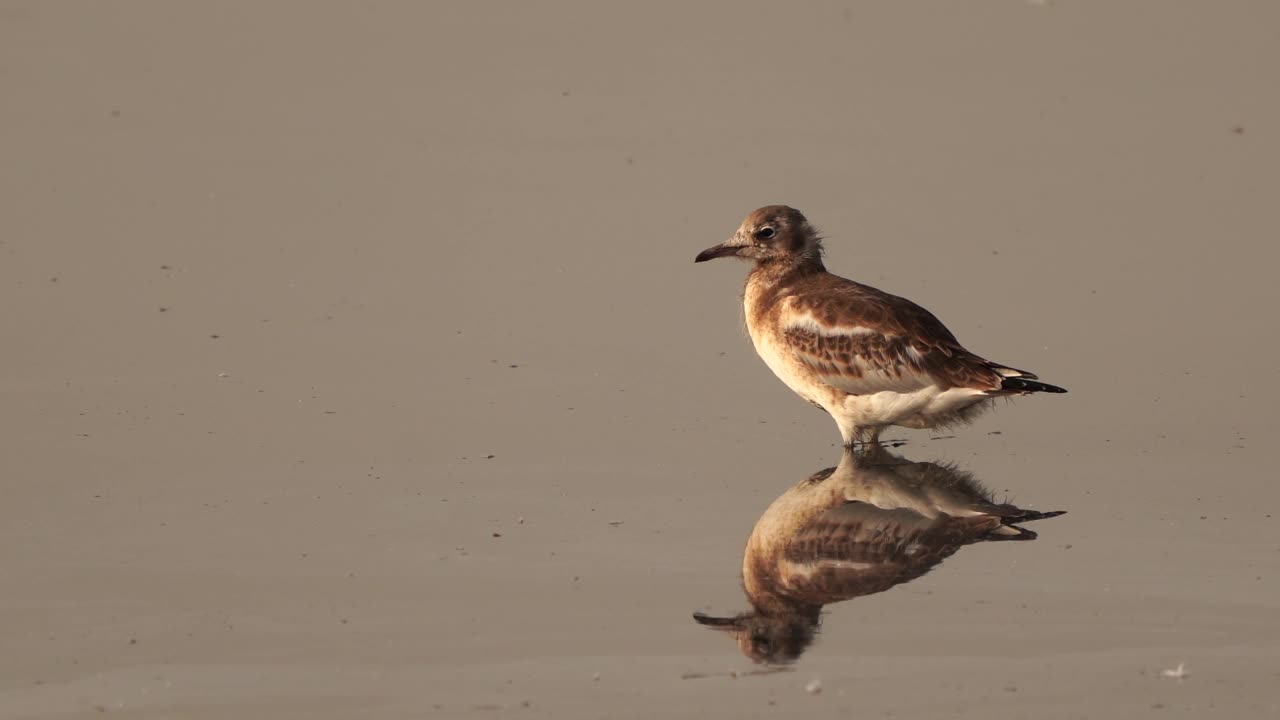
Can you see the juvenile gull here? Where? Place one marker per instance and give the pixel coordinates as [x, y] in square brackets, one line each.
[868, 358]
[873, 522]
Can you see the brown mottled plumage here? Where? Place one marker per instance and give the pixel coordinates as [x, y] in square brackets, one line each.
[874, 521]
[868, 358]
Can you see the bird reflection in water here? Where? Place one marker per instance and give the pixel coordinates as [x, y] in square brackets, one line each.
[872, 522]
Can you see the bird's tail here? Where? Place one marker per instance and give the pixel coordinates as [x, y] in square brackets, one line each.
[1008, 530]
[1022, 384]
[1013, 380]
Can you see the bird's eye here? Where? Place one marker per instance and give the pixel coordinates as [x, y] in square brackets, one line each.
[765, 233]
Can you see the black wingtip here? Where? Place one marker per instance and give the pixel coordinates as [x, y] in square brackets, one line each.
[1026, 385]
[1030, 515]
[1014, 522]
[1023, 534]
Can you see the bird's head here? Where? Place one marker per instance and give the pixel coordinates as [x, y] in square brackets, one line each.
[773, 640]
[775, 233]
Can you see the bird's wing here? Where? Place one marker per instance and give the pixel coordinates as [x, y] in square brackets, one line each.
[863, 341]
[858, 549]
[932, 489]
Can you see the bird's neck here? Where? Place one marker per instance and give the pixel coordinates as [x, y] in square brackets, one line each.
[776, 271]
[768, 279]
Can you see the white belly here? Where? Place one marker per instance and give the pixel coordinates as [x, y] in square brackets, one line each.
[789, 370]
[920, 408]
[882, 408]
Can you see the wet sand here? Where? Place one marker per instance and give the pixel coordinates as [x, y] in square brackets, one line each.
[357, 364]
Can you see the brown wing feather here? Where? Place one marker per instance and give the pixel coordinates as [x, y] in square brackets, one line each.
[863, 340]
[859, 549]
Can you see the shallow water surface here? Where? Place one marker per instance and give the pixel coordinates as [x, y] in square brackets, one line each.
[357, 365]
[873, 522]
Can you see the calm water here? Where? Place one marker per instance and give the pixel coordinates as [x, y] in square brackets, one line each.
[875, 521]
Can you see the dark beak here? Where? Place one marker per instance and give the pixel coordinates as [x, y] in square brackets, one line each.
[720, 623]
[719, 251]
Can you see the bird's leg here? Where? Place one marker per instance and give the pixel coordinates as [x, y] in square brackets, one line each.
[861, 439]
[852, 436]
[873, 436]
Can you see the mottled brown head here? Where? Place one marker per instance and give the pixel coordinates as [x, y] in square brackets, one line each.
[772, 640]
[771, 234]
